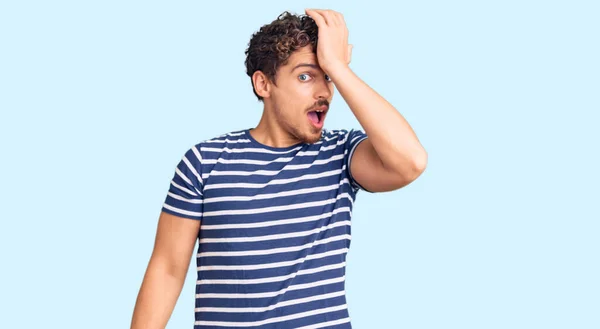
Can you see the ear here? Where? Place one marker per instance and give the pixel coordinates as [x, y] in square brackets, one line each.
[262, 84]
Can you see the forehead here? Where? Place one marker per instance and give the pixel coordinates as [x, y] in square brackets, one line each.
[303, 55]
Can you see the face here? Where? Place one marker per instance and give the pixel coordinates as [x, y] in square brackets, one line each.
[301, 97]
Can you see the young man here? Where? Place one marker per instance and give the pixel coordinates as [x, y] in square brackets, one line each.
[275, 201]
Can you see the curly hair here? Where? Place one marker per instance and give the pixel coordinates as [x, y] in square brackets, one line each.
[272, 45]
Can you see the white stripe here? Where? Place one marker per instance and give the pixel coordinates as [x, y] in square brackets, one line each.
[277, 208]
[355, 146]
[275, 236]
[199, 157]
[353, 149]
[275, 172]
[274, 293]
[183, 176]
[331, 137]
[275, 181]
[193, 170]
[359, 136]
[273, 278]
[243, 173]
[178, 197]
[266, 209]
[247, 150]
[358, 142]
[331, 147]
[274, 250]
[275, 222]
[326, 324]
[261, 150]
[346, 135]
[277, 195]
[183, 188]
[271, 307]
[316, 162]
[272, 320]
[245, 161]
[248, 141]
[266, 162]
[272, 265]
[228, 141]
[181, 211]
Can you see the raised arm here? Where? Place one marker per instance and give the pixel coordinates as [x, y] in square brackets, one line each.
[392, 156]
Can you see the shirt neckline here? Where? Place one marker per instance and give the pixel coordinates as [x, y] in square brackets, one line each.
[272, 148]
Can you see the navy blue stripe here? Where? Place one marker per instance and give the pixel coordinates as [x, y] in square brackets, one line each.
[338, 195]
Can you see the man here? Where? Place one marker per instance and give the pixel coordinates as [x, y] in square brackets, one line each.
[275, 201]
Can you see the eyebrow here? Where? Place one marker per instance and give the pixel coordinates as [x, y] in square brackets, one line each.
[314, 66]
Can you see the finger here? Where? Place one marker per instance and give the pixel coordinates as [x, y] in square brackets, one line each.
[339, 18]
[317, 17]
[326, 16]
[331, 17]
[343, 23]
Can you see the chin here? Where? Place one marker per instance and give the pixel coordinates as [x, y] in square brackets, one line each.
[309, 135]
[313, 136]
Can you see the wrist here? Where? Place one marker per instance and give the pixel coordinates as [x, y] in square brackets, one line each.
[337, 70]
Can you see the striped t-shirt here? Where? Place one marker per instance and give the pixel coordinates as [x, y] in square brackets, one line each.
[275, 229]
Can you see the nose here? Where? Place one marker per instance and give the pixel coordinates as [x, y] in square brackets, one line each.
[323, 89]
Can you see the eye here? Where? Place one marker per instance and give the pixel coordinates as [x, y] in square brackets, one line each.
[327, 77]
[304, 77]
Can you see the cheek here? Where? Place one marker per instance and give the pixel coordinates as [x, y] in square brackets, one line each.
[298, 99]
[299, 88]
[294, 99]
[287, 106]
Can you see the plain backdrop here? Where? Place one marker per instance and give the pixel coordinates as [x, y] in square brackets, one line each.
[100, 99]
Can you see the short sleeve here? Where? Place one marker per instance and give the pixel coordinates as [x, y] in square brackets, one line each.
[353, 138]
[185, 195]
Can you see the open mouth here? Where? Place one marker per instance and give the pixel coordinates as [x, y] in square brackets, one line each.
[317, 117]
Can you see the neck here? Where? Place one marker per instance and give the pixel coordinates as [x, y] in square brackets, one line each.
[269, 132]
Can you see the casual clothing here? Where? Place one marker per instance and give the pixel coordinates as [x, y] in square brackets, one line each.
[275, 229]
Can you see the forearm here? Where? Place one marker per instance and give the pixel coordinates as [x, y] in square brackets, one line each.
[157, 297]
[392, 137]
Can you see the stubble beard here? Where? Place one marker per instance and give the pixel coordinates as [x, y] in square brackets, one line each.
[297, 130]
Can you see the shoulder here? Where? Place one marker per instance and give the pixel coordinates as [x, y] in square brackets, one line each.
[342, 135]
[232, 137]
[335, 134]
[229, 139]
[204, 150]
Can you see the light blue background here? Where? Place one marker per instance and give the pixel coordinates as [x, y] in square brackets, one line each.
[99, 100]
